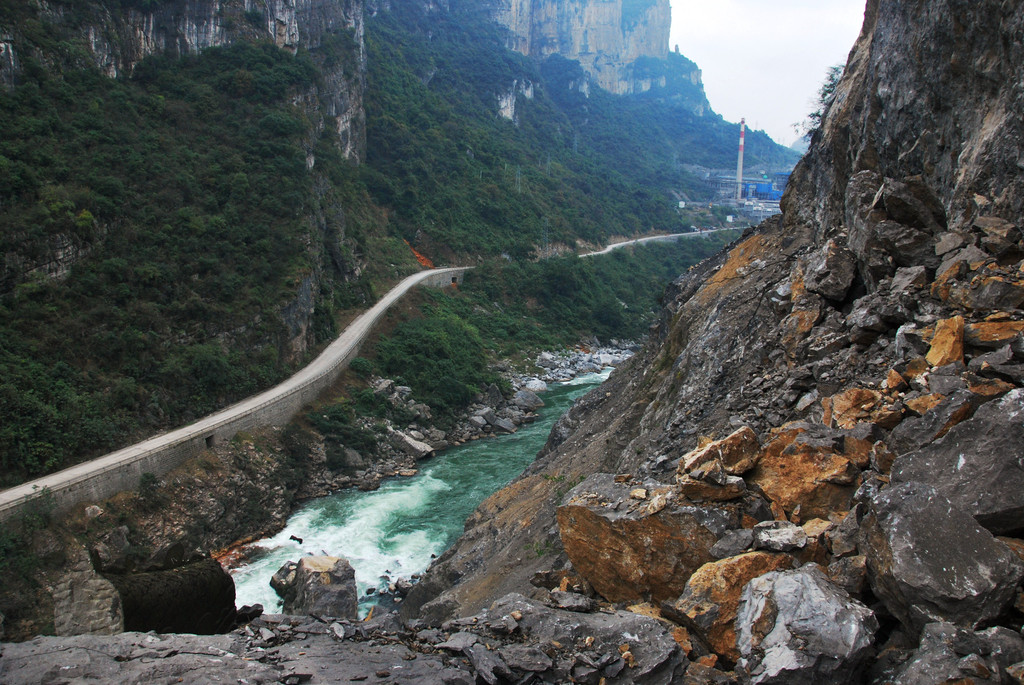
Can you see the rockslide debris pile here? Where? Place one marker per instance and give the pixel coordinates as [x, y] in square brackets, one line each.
[814, 467]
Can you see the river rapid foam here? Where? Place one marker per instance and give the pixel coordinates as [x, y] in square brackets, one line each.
[395, 531]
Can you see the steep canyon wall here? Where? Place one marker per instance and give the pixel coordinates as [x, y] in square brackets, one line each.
[606, 37]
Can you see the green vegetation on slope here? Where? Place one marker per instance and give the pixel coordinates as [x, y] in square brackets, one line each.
[181, 194]
[163, 237]
[462, 179]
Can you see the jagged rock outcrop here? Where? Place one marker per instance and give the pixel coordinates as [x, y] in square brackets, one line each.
[120, 37]
[863, 328]
[86, 603]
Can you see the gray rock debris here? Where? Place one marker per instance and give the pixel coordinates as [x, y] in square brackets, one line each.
[929, 561]
[796, 627]
[977, 465]
[779, 536]
[595, 641]
[949, 653]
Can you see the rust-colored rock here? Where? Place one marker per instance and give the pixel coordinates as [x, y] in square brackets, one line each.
[816, 528]
[809, 478]
[894, 381]
[625, 551]
[945, 280]
[988, 387]
[705, 491]
[992, 334]
[915, 367]
[856, 405]
[948, 342]
[799, 323]
[858, 451]
[713, 594]
[924, 404]
[738, 453]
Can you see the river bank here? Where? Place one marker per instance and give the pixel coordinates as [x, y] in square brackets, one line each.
[391, 534]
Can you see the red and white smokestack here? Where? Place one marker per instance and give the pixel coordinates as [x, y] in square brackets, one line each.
[739, 164]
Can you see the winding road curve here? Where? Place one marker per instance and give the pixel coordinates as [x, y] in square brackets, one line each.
[104, 476]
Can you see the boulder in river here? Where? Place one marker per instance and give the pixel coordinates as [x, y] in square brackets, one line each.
[324, 586]
[527, 399]
[535, 385]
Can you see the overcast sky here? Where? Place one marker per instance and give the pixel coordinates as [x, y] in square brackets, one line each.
[765, 59]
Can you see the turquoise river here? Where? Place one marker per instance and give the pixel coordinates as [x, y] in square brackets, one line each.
[395, 531]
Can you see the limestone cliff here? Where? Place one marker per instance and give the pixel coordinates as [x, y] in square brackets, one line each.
[119, 37]
[871, 334]
[609, 38]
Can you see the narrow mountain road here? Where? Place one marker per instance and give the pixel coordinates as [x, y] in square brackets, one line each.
[653, 239]
[219, 424]
[102, 477]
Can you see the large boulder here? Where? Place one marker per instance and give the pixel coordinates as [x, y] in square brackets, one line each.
[807, 474]
[416, 449]
[929, 561]
[713, 593]
[324, 586]
[796, 627]
[535, 385]
[978, 465]
[737, 452]
[633, 543]
[830, 271]
[934, 423]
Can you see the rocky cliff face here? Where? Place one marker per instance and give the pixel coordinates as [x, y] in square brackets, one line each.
[118, 38]
[606, 37]
[840, 388]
